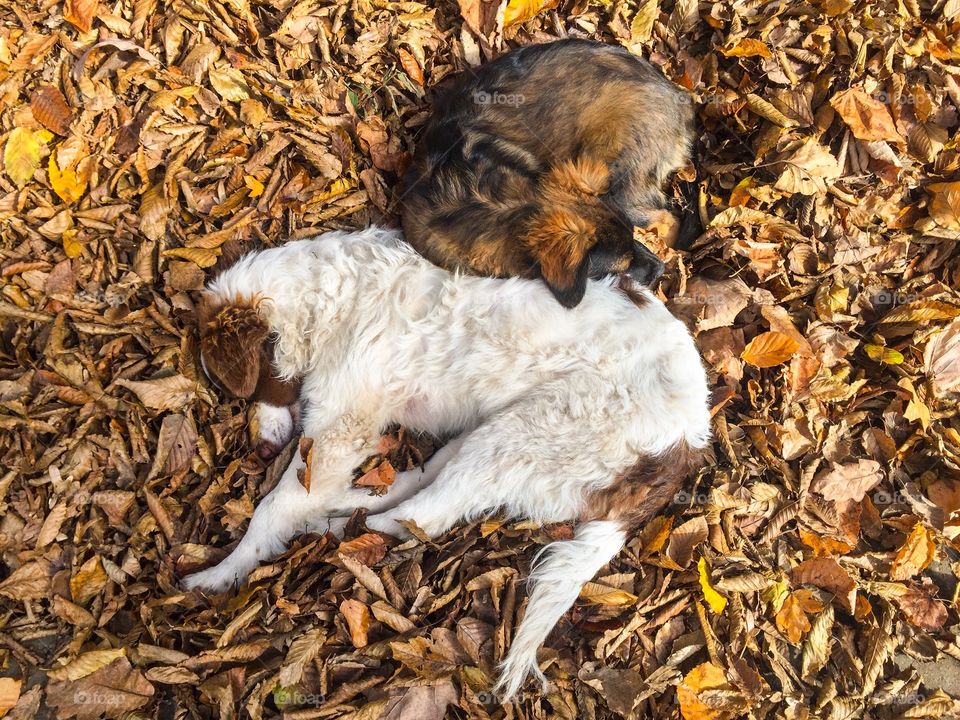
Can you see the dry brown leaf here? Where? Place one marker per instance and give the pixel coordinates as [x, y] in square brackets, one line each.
[87, 663]
[941, 359]
[50, 109]
[599, 594]
[30, 581]
[868, 118]
[921, 608]
[848, 481]
[174, 392]
[110, 691]
[684, 540]
[368, 548]
[88, 581]
[826, 573]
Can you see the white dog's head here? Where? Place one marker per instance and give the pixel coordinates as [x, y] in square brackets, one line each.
[236, 354]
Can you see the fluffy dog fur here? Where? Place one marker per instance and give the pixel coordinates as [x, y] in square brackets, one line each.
[593, 414]
[569, 141]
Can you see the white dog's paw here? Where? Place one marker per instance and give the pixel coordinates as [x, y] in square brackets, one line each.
[217, 579]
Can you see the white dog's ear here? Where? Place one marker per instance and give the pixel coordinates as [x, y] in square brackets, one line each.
[232, 348]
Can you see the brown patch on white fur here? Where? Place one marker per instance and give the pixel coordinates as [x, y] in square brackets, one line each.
[237, 352]
[645, 488]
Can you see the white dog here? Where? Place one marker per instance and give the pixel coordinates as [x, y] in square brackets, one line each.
[593, 414]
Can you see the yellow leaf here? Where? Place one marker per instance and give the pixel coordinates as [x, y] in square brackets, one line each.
[87, 663]
[916, 554]
[945, 204]
[71, 246]
[641, 27]
[769, 349]
[9, 693]
[776, 595]
[606, 595]
[256, 187]
[715, 600]
[229, 84]
[519, 11]
[89, 580]
[747, 47]
[740, 195]
[885, 355]
[21, 155]
[65, 183]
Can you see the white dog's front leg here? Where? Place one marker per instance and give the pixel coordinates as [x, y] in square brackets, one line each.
[278, 517]
[289, 508]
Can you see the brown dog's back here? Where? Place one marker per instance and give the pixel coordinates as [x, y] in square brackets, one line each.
[540, 163]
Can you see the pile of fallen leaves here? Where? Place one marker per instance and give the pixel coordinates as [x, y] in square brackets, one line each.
[809, 571]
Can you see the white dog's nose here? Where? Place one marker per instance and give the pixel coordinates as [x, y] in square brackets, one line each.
[271, 428]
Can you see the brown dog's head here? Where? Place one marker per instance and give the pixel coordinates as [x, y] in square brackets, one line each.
[578, 234]
[236, 354]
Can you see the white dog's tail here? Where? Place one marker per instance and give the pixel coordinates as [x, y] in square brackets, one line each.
[558, 575]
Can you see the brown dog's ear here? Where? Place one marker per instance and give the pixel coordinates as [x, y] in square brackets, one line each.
[231, 347]
[559, 240]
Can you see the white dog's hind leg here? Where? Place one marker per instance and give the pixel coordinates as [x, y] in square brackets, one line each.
[405, 485]
[280, 515]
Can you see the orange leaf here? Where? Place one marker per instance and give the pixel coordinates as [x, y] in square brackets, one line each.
[747, 47]
[306, 454]
[792, 620]
[703, 677]
[410, 65]
[916, 554]
[80, 13]
[368, 548]
[769, 349]
[867, 118]
[357, 616]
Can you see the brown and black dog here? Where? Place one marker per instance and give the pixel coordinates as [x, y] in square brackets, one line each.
[540, 164]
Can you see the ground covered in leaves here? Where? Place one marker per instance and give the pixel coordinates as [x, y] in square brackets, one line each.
[809, 571]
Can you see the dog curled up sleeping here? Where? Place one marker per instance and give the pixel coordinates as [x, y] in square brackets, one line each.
[592, 415]
[541, 162]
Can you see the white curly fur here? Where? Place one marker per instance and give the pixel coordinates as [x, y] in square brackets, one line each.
[550, 403]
